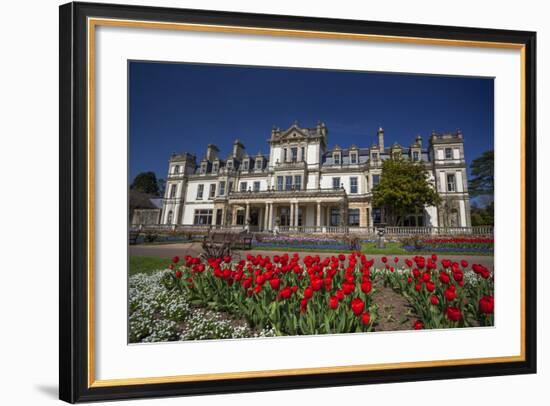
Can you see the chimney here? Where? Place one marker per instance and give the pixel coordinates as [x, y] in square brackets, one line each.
[238, 150]
[211, 152]
[381, 138]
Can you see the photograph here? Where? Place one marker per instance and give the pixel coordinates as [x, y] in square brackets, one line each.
[268, 201]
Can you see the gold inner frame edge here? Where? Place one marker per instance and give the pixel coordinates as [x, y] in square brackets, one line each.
[92, 23]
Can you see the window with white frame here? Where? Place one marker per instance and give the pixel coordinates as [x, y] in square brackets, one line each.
[245, 165]
[176, 169]
[280, 182]
[202, 217]
[256, 186]
[221, 189]
[215, 166]
[297, 182]
[212, 192]
[375, 180]
[353, 185]
[230, 187]
[294, 154]
[288, 183]
[416, 156]
[336, 158]
[448, 153]
[336, 183]
[353, 217]
[200, 191]
[173, 189]
[353, 158]
[244, 185]
[451, 182]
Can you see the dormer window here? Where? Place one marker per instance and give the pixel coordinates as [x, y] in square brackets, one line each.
[258, 164]
[203, 167]
[353, 158]
[396, 155]
[375, 156]
[336, 158]
[448, 153]
[245, 165]
[176, 169]
[416, 156]
[229, 164]
[215, 167]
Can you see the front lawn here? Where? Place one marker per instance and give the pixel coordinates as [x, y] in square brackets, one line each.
[139, 264]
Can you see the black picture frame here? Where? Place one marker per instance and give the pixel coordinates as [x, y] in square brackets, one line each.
[74, 199]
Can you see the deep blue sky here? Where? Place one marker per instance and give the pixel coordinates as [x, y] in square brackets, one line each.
[182, 107]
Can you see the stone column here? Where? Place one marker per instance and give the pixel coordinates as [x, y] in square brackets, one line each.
[296, 214]
[318, 223]
[291, 214]
[247, 214]
[266, 216]
[327, 216]
[270, 221]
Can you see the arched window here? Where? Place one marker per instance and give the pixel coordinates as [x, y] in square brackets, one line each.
[169, 217]
[177, 169]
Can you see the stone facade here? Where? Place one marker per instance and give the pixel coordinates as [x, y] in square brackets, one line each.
[302, 183]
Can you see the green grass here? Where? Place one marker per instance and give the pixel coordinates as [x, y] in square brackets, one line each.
[291, 249]
[392, 248]
[140, 264]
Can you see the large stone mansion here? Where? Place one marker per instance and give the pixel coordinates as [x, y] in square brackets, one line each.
[302, 183]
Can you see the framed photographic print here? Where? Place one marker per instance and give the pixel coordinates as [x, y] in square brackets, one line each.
[257, 202]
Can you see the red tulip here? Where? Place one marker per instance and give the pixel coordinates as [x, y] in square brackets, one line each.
[384, 259]
[366, 287]
[453, 313]
[286, 292]
[333, 302]
[357, 306]
[464, 263]
[340, 294]
[430, 286]
[418, 325]
[227, 259]
[444, 277]
[487, 304]
[365, 318]
[275, 283]
[175, 259]
[450, 294]
[308, 292]
[434, 300]
[178, 274]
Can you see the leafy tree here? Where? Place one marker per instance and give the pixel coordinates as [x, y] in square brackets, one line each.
[403, 189]
[482, 182]
[483, 216]
[146, 182]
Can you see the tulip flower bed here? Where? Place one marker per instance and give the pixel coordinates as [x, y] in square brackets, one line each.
[290, 296]
[452, 244]
[446, 295]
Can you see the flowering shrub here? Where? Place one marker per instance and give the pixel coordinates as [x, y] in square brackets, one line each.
[285, 294]
[450, 244]
[445, 295]
[157, 314]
